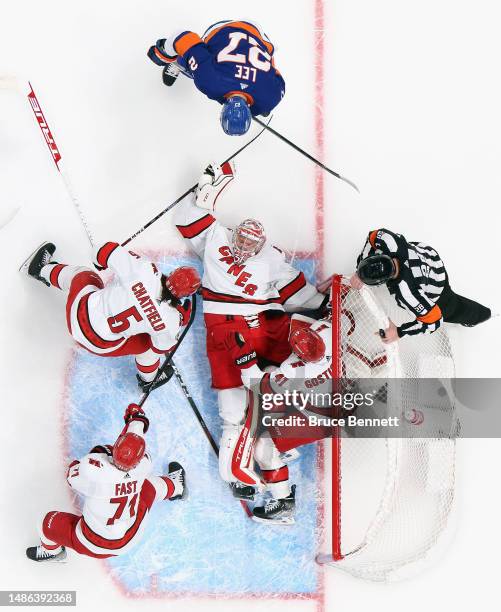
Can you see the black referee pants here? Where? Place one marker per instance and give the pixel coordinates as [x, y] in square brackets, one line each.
[458, 309]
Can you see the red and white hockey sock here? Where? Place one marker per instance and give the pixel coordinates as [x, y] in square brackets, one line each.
[165, 487]
[61, 275]
[171, 488]
[53, 547]
[277, 482]
[147, 365]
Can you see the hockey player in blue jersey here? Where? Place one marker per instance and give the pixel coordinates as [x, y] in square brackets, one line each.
[231, 63]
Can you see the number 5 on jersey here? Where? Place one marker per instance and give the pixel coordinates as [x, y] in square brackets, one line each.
[120, 322]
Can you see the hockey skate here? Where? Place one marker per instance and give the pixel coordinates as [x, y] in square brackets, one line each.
[242, 491]
[164, 378]
[37, 260]
[170, 74]
[277, 511]
[39, 553]
[483, 320]
[178, 476]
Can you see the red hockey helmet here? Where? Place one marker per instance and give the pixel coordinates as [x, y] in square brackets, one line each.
[184, 281]
[128, 451]
[248, 239]
[307, 344]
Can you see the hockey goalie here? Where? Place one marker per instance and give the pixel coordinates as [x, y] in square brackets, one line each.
[247, 287]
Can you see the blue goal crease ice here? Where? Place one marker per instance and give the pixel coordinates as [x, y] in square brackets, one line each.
[206, 543]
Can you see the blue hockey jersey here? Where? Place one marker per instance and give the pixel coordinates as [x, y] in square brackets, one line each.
[233, 57]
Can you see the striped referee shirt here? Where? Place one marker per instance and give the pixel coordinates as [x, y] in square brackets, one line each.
[420, 281]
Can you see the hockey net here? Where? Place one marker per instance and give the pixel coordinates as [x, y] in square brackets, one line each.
[391, 497]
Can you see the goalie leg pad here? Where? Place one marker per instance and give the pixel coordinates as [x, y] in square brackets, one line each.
[236, 454]
[232, 405]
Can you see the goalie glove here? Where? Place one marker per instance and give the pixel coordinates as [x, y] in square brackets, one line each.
[212, 182]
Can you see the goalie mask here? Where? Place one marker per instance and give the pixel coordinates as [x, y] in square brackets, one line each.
[376, 270]
[248, 239]
[307, 344]
[128, 451]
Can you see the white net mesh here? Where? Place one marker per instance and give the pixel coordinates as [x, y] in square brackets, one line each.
[395, 495]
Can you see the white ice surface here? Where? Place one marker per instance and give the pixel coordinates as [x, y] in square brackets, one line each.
[411, 113]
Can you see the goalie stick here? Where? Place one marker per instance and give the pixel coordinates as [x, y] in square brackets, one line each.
[203, 424]
[303, 152]
[188, 191]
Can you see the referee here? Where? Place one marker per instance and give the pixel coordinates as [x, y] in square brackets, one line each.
[415, 275]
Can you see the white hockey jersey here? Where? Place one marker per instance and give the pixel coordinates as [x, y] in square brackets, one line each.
[264, 282]
[102, 320]
[112, 517]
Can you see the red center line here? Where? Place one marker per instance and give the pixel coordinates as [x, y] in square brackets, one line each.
[319, 27]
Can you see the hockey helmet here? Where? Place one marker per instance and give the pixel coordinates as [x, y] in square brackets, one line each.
[307, 344]
[183, 282]
[128, 451]
[236, 117]
[376, 269]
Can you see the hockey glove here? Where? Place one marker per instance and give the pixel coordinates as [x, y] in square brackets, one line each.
[158, 55]
[184, 310]
[136, 413]
[212, 182]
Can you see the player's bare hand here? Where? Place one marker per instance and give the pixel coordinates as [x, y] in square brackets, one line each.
[355, 282]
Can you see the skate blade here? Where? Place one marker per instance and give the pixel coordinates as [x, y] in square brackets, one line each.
[26, 264]
[63, 559]
[282, 521]
[248, 498]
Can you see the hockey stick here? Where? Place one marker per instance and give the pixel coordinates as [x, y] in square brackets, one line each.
[303, 152]
[168, 359]
[188, 191]
[203, 424]
[57, 157]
